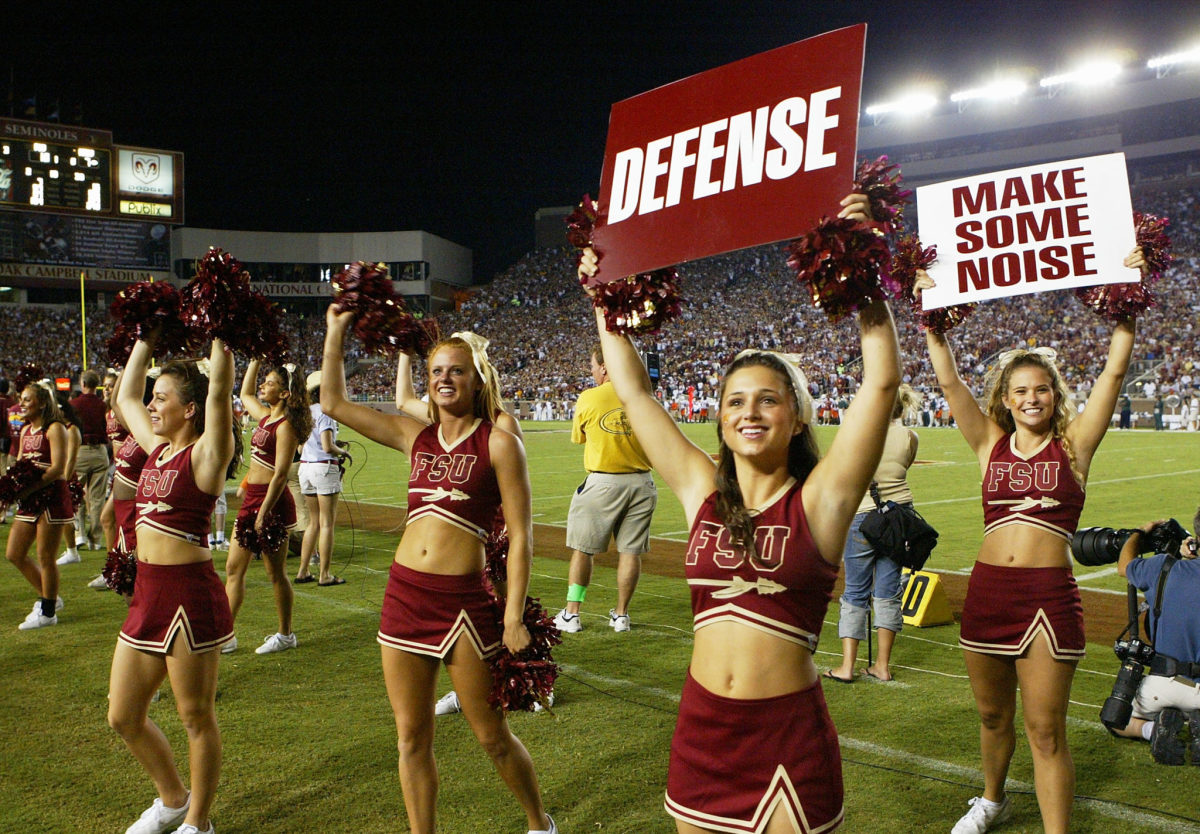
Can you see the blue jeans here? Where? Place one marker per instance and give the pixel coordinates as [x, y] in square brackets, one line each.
[869, 578]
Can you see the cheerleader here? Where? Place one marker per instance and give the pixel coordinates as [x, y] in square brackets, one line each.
[179, 615]
[436, 608]
[281, 408]
[44, 509]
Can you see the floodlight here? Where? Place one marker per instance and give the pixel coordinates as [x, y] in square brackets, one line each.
[1010, 88]
[1092, 74]
[1163, 64]
[907, 105]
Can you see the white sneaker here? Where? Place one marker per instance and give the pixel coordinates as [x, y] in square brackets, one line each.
[230, 647]
[553, 829]
[983, 816]
[37, 620]
[188, 828]
[58, 604]
[98, 583]
[81, 544]
[447, 704]
[220, 544]
[277, 643]
[538, 706]
[567, 623]
[619, 622]
[158, 818]
[70, 557]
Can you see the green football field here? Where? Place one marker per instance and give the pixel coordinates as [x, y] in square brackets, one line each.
[309, 743]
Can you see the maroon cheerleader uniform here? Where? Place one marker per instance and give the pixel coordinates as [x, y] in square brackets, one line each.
[1007, 608]
[426, 613]
[185, 600]
[52, 500]
[735, 762]
[262, 450]
[128, 459]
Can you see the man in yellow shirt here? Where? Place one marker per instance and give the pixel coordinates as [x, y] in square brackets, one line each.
[615, 500]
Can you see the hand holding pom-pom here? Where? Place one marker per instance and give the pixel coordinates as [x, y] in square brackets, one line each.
[520, 681]
[22, 476]
[1152, 239]
[843, 265]
[75, 488]
[880, 182]
[220, 304]
[266, 540]
[495, 564]
[381, 321]
[143, 308]
[28, 374]
[1117, 302]
[909, 262]
[640, 303]
[582, 222]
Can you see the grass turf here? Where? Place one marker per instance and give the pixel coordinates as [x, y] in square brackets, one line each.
[309, 743]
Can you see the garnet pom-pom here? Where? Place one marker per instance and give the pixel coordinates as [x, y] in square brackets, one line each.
[28, 374]
[909, 257]
[75, 488]
[582, 222]
[273, 534]
[1117, 302]
[219, 304]
[120, 571]
[880, 182]
[521, 681]
[495, 549]
[843, 265]
[141, 308]
[22, 475]
[640, 303]
[1151, 234]
[381, 321]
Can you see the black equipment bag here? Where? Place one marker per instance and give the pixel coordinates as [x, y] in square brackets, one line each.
[898, 532]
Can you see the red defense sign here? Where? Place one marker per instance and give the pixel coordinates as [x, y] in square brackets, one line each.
[748, 153]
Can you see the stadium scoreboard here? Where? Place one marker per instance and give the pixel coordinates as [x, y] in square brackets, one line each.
[66, 169]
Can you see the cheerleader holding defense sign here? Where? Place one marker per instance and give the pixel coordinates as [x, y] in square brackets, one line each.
[1022, 621]
[754, 748]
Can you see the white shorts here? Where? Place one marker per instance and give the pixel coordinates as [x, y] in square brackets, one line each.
[1158, 692]
[320, 478]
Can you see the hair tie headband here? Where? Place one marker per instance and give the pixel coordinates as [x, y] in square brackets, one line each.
[1010, 356]
[203, 367]
[791, 363]
[478, 347]
[290, 368]
[47, 384]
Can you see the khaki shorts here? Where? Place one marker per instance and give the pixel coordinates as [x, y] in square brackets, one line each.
[607, 507]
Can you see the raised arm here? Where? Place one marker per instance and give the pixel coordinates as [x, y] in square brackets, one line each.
[394, 431]
[837, 484]
[685, 467]
[130, 390]
[214, 449]
[1087, 430]
[249, 393]
[406, 396]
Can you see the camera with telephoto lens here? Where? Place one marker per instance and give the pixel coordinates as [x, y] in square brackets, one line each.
[1133, 653]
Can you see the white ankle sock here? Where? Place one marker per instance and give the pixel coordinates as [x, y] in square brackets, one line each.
[1147, 730]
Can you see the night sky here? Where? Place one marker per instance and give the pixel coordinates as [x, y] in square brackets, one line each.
[462, 119]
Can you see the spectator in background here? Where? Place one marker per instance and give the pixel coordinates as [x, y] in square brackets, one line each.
[320, 485]
[92, 465]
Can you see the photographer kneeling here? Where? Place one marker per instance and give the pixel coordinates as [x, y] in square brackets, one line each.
[1169, 697]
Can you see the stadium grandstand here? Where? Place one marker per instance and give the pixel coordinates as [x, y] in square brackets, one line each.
[541, 329]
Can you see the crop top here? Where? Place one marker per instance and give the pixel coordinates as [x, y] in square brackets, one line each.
[168, 500]
[262, 442]
[129, 459]
[786, 597]
[455, 483]
[1038, 489]
[35, 446]
[113, 428]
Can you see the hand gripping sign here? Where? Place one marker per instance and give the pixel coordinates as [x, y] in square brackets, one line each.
[1044, 227]
[749, 153]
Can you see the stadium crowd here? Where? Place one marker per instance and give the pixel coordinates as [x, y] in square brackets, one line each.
[535, 317]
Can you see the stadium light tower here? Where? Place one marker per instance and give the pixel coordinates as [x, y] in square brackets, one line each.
[1088, 75]
[907, 105]
[1164, 64]
[1004, 90]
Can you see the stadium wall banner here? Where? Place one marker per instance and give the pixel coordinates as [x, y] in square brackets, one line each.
[749, 153]
[293, 289]
[1040, 228]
